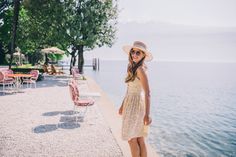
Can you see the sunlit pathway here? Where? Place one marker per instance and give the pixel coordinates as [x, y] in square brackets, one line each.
[40, 122]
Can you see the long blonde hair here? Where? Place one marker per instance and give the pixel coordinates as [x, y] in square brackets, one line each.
[132, 68]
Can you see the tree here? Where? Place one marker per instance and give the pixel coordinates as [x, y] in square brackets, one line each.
[41, 26]
[5, 7]
[84, 25]
[77, 24]
[6, 15]
[14, 28]
[92, 24]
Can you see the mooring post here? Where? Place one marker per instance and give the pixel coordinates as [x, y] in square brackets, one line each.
[93, 63]
[98, 64]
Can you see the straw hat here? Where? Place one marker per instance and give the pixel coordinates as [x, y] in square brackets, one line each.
[141, 46]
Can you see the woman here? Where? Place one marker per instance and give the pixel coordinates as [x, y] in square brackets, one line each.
[135, 110]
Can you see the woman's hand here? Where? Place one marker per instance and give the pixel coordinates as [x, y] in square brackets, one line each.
[120, 110]
[147, 120]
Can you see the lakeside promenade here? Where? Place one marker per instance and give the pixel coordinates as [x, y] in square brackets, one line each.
[40, 122]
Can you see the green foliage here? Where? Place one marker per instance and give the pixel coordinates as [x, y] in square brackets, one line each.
[40, 25]
[5, 28]
[36, 57]
[64, 24]
[91, 23]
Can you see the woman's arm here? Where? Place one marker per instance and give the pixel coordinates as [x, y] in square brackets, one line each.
[121, 108]
[144, 82]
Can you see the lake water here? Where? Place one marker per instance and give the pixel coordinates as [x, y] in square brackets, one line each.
[193, 105]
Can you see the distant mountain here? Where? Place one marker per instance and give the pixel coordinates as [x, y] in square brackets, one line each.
[174, 42]
[168, 28]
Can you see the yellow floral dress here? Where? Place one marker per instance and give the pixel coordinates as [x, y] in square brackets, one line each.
[133, 112]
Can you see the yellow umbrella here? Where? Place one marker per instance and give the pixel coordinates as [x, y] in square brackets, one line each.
[53, 50]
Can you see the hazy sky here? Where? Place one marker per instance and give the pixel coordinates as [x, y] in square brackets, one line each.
[189, 12]
[213, 41]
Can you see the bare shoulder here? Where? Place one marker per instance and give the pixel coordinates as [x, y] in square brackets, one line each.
[141, 72]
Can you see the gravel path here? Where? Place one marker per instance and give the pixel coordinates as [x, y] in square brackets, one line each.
[40, 122]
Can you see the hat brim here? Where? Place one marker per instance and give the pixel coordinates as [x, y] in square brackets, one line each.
[148, 54]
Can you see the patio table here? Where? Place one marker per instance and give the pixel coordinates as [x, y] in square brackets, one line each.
[17, 77]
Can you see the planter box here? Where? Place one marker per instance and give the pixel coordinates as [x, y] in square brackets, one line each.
[26, 70]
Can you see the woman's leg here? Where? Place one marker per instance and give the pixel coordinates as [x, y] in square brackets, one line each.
[142, 146]
[134, 147]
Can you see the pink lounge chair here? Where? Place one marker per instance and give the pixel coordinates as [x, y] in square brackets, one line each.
[9, 71]
[5, 81]
[78, 102]
[75, 73]
[33, 79]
